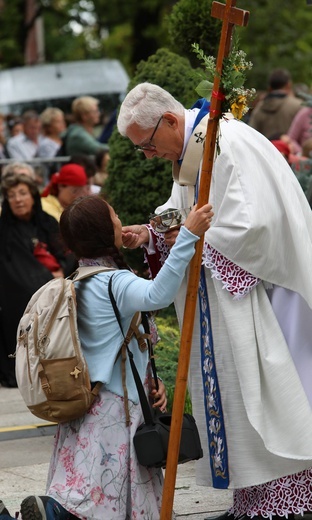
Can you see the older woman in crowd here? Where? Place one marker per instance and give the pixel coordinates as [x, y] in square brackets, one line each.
[31, 254]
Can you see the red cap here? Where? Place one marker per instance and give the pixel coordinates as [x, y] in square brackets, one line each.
[69, 175]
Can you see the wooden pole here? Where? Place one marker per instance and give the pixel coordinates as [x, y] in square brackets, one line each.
[230, 16]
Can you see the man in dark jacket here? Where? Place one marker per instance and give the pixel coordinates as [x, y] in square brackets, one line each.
[273, 115]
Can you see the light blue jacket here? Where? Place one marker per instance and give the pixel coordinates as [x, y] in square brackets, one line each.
[99, 331]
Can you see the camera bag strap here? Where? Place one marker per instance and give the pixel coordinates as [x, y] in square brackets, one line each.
[146, 409]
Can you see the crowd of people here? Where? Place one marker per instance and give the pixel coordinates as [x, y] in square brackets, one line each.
[251, 359]
[34, 196]
[285, 116]
[52, 134]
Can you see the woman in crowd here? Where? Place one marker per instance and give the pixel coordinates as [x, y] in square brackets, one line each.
[30, 255]
[94, 472]
[14, 125]
[2, 137]
[16, 167]
[53, 125]
[64, 187]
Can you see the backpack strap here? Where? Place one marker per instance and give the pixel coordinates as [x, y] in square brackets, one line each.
[141, 337]
[88, 270]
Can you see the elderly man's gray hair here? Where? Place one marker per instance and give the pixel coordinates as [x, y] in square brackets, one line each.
[144, 105]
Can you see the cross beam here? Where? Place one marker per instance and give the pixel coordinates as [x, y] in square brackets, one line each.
[231, 16]
[230, 13]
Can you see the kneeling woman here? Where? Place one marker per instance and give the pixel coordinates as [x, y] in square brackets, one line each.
[94, 472]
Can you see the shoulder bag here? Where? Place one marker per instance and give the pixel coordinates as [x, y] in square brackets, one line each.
[152, 436]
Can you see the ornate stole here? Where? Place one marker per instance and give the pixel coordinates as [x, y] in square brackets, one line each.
[187, 174]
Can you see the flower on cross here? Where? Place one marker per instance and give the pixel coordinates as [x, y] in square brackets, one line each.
[234, 96]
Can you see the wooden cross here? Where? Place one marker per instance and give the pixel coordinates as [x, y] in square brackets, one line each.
[231, 16]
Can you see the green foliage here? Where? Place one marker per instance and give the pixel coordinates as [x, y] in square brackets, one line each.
[190, 22]
[167, 354]
[277, 35]
[232, 81]
[171, 72]
[135, 185]
[118, 45]
[12, 34]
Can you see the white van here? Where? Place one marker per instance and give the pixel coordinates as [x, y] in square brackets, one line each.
[37, 87]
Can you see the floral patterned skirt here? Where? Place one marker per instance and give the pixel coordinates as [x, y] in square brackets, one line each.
[94, 472]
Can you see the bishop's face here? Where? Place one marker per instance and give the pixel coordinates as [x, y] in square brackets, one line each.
[165, 140]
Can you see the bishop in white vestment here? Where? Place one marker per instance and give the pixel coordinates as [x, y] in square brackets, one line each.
[251, 363]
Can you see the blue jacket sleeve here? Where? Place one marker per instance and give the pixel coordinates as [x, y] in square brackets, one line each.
[133, 293]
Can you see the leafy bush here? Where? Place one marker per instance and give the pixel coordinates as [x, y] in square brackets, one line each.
[167, 354]
[135, 185]
[189, 22]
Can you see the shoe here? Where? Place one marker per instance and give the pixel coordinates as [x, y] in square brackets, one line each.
[224, 516]
[8, 382]
[43, 508]
[33, 508]
[4, 513]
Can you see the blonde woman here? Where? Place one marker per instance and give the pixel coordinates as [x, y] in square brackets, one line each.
[79, 138]
[53, 125]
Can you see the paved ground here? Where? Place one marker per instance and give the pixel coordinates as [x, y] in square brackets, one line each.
[25, 447]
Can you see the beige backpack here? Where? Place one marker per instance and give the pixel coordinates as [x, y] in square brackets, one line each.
[51, 371]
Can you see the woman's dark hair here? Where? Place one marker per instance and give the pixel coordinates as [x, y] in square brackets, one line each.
[87, 229]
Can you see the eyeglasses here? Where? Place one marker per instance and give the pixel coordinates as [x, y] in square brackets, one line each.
[148, 146]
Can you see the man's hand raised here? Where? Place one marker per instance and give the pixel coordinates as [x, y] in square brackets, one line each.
[134, 236]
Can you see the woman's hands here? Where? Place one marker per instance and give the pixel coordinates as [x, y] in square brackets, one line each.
[198, 220]
[159, 397]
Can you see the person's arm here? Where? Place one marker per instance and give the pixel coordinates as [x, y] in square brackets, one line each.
[156, 245]
[135, 236]
[13, 149]
[47, 148]
[78, 140]
[142, 294]
[54, 242]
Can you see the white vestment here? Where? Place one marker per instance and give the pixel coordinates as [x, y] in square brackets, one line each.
[263, 341]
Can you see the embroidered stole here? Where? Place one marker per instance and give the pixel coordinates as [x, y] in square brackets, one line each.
[188, 174]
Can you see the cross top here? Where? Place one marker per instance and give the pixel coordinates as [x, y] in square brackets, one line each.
[230, 16]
